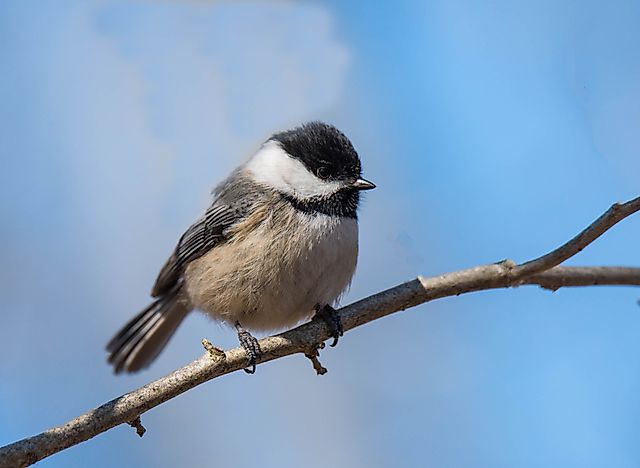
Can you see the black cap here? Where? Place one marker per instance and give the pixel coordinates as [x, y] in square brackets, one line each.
[323, 149]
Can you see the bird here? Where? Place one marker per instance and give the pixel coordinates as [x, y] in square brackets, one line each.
[277, 245]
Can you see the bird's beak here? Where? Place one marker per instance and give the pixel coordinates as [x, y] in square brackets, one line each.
[363, 184]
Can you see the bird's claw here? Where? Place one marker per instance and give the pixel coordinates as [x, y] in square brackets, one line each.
[251, 347]
[329, 315]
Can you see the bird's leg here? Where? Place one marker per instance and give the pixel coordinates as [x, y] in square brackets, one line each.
[331, 318]
[250, 346]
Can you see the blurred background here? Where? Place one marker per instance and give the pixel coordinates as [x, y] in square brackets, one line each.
[493, 130]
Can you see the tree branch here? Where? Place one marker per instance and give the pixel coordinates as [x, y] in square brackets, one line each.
[306, 338]
[609, 218]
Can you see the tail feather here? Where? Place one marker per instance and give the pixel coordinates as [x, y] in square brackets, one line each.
[140, 341]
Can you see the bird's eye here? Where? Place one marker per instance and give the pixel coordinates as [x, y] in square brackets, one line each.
[323, 172]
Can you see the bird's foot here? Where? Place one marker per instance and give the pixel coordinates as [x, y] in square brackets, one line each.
[329, 315]
[251, 347]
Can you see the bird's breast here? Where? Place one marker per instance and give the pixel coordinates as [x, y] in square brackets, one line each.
[276, 266]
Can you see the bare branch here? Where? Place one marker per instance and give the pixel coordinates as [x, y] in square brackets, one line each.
[306, 338]
[560, 277]
[299, 340]
[609, 218]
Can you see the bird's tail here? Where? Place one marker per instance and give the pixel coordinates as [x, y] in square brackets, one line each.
[140, 341]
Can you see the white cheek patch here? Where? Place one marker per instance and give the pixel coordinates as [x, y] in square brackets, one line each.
[272, 166]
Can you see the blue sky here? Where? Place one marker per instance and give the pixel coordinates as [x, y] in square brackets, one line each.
[493, 130]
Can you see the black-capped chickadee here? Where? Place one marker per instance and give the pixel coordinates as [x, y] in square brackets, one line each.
[278, 243]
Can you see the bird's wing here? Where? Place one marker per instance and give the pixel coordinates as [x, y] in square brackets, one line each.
[203, 235]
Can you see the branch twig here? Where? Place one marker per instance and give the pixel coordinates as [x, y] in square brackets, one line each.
[609, 218]
[542, 271]
[137, 425]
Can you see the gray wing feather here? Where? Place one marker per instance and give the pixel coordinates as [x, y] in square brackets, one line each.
[203, 235]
